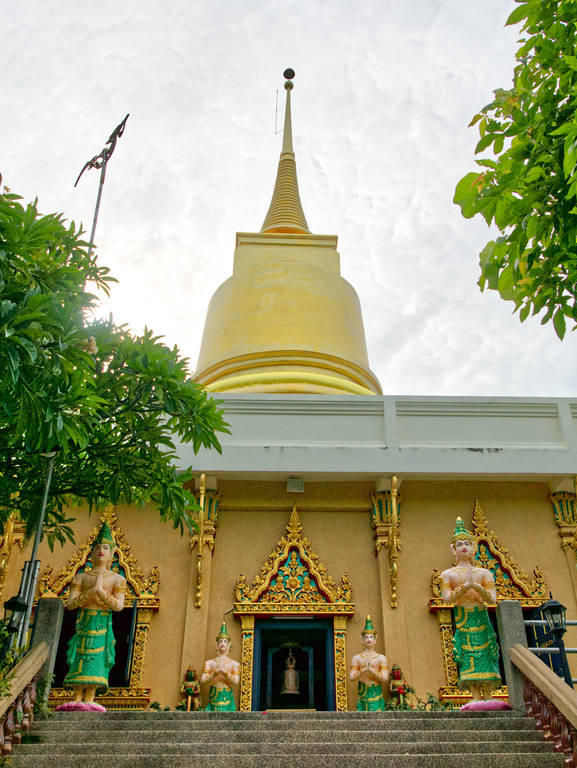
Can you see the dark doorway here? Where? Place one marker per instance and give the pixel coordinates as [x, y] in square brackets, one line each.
[305, 645]
[122, 626]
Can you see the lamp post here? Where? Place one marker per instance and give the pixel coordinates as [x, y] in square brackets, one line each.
[20, 618]
[13, 610]
[555, 614]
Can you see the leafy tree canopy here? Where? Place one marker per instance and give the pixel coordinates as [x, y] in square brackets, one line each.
[108, 402]
[528, 184]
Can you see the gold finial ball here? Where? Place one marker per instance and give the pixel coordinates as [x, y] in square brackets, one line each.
[289, 74]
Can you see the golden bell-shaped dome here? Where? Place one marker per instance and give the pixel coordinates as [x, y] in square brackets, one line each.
[286, 321]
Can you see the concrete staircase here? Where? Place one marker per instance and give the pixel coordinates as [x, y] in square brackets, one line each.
[283, 739]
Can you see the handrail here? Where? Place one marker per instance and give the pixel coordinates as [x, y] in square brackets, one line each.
[552, 686]
[16, 709]
[549, 700]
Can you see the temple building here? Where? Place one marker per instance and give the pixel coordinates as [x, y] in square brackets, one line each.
[330, 501]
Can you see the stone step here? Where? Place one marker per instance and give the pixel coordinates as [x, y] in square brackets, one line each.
[104, 722]
[285, 715]
[282, 739]
[297, 750]
[471, 760]
[198, 736]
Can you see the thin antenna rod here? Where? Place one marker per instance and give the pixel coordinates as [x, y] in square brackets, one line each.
[276, 111]
[100, 161]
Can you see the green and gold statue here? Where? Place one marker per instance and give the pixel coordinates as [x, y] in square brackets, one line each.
[370, 669]
[91, 653]
[471, 588]
[190, 690]
[223, 674]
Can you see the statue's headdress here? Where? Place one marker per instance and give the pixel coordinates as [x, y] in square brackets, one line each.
[369, 629]
[461, 533]
[223, 632]
[105, 537]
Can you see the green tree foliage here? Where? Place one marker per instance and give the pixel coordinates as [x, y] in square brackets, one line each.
[110, 403]
[528, 186]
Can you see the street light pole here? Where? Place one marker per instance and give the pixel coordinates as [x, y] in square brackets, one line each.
[32, 566]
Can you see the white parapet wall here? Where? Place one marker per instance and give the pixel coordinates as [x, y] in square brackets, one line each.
[322, 436]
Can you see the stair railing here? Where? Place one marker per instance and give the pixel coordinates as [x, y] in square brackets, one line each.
[17, 708]
[550, 701]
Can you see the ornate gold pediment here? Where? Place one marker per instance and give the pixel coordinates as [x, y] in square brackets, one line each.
[138, 587]
[293, 581]
[511, 581]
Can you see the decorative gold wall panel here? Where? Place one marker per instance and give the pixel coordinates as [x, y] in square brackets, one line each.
[205, 519]
[565, 510]
[246, 662]
[340, 641]
[385, 519]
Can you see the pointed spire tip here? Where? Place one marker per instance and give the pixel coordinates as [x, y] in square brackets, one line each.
[285, 213]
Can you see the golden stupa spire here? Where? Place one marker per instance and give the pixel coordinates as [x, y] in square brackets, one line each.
[285, 321]
[285, 213]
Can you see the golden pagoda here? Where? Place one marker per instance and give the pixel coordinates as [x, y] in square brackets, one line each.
[320, 510]
[286, 321]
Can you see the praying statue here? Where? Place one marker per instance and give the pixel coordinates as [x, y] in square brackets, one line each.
[223, 674]
[471, 588]
[371, 671]
[96, 592]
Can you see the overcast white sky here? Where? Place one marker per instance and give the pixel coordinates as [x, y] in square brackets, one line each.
[384, 91]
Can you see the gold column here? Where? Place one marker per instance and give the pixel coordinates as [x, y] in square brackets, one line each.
[246, 662]
[565, 510]
[385, 521]
[444, 617]
[12, 535]
[340, 646]
[197, 646]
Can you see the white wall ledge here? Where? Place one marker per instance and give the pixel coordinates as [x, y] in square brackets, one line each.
[370, 436]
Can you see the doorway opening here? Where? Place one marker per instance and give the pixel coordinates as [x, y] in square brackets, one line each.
[123, 627]
[285, 646]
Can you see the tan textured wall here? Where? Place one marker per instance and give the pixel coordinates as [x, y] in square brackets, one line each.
[336, 520]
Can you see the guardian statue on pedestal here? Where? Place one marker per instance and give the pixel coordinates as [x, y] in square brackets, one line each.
[91, 652]
[370, 669]
[223, 674]
[471, 588]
